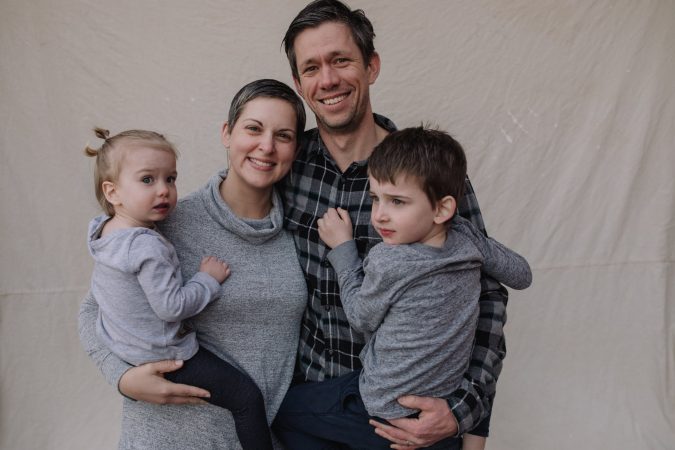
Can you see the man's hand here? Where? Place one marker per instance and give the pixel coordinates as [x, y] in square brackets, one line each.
[147, 383]
[335, 227]
[434, 423]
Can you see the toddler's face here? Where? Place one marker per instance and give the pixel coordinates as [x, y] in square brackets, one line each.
[403, 214]
[146, 186]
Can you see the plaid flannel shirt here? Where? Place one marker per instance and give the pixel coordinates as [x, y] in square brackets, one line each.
[328, 346]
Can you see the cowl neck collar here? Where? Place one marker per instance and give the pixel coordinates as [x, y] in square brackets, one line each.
[255, 231]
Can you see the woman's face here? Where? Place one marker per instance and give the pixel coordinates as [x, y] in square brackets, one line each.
[262, 142]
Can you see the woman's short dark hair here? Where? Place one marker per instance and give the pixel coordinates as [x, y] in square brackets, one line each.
[270, 89]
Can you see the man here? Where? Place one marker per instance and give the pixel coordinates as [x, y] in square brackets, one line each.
[333, 61]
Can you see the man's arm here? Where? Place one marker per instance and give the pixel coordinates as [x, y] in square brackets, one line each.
[472, 401]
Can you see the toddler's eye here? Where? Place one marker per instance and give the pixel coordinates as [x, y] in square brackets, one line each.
[171, 180]
[146, 179]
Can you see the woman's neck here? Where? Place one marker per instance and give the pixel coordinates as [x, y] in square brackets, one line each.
[246, 201]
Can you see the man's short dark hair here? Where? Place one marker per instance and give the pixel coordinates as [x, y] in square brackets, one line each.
[322, 11]
[432, 157]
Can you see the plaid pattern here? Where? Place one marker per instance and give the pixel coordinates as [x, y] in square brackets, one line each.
[328, 346]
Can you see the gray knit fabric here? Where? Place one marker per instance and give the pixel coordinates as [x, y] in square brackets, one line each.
[254, 325]
[418, 306]
[139, 287]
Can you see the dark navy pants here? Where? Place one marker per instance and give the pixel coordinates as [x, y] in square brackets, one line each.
[330, 415]
[231, 389]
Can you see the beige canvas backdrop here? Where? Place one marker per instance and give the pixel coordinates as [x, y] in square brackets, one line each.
[566, 112]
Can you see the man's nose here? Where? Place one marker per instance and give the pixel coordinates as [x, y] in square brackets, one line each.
[329, 77]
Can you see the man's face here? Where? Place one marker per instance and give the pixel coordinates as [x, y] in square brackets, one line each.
[333, 78]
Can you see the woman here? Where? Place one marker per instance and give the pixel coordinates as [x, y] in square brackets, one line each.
[238, 218]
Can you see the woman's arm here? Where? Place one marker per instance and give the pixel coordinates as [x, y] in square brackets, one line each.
[145, 382]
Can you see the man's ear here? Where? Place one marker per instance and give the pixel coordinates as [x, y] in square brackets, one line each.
[445, 209]
[110, 192]
[374, 68]
[298, 86]
[225, 135]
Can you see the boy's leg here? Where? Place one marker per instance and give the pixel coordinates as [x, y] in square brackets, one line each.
[313, 415]
[231, 389]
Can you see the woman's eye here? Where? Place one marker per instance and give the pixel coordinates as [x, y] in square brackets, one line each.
[146, 179]
[285, 137]
[253, 128]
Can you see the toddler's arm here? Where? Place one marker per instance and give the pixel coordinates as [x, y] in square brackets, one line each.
[162, 282]
[335, 227]
[499, 262]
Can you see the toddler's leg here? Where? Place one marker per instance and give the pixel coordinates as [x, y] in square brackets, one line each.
[230, 389]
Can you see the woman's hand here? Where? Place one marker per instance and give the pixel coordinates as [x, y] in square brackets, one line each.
[147, 383]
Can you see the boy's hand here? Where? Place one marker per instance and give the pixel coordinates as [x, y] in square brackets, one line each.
[335, 227]
[215, 267]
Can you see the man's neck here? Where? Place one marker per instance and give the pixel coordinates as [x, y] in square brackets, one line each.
[354, 145]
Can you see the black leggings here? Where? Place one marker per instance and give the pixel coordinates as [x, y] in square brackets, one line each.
[230, 389]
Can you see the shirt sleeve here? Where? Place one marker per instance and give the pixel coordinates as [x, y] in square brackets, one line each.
[364, 294]
[108, 363]
[472, 401]
[499, 261]
[161, 281]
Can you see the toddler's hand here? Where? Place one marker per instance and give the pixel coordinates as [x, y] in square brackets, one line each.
[335, 227]
[215, 267]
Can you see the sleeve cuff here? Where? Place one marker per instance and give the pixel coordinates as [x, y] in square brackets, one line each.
[345, 257]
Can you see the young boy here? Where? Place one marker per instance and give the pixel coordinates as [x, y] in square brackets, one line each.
[416, 295]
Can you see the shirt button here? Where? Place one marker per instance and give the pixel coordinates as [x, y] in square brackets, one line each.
[326, 307]
[325, 263]
[330, 352]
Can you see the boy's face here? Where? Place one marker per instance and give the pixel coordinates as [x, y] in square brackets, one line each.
[403, 214]
[145, 191]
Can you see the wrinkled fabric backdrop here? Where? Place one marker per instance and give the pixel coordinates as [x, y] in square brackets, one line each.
[565, 110]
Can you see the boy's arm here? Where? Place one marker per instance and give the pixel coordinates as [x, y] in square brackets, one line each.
[365, 308]
[499, 262]
[161, 281]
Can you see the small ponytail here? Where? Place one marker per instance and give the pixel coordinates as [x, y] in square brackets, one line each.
[100, 133]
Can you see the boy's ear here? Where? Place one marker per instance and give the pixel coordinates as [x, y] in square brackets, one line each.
[110, 192]
[445, 209]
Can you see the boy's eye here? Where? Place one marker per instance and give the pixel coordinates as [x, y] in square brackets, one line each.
[374, 198]
[146, 179]
[397, 201]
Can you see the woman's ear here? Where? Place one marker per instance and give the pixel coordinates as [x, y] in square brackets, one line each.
[225, 135]
[110, 192]
[445, 209]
